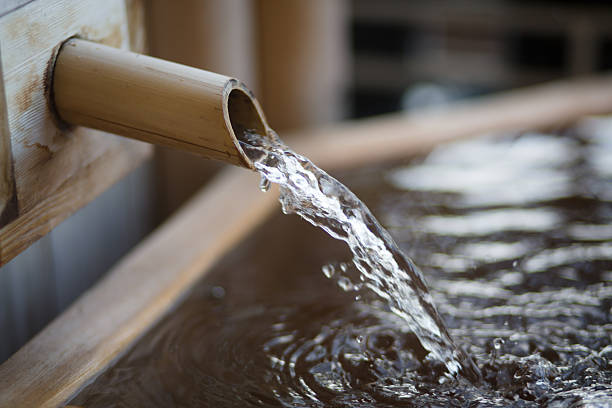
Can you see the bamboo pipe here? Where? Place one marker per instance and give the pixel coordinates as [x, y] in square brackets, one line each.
[153, 100]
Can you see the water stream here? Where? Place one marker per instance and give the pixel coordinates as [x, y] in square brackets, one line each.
[377, 265]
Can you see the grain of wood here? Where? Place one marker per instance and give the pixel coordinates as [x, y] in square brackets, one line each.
[55, 171]
[104, 167]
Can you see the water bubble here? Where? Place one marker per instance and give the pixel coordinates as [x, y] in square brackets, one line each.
[264, 184]
[515, 264]
[359, 338]
[217, 292]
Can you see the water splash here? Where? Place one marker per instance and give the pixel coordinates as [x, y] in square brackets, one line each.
[382, 268]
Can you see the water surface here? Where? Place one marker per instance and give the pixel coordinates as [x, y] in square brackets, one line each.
[514, 239]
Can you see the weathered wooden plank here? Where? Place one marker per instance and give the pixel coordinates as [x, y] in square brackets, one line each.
[54, 170]
[7, 6]
[111, 161]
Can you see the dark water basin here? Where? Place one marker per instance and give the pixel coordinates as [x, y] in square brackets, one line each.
[514, 236]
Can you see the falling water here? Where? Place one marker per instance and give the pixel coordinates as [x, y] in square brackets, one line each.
[378, 265]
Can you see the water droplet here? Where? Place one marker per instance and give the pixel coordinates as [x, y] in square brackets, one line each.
[285, 210]
[328, 270]
[515, 264]
[343, 267]
[345, 283]
[359, 338]
[264, 184]
[498, 342]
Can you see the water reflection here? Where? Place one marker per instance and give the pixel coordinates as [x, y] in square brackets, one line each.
[551, 258]
[492, 251]
[517, 171]
[492, 221]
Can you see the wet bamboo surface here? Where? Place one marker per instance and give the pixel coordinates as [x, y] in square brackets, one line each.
[163, 103]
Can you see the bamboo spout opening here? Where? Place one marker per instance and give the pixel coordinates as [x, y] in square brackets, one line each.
[244, 114]
[154, 101]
